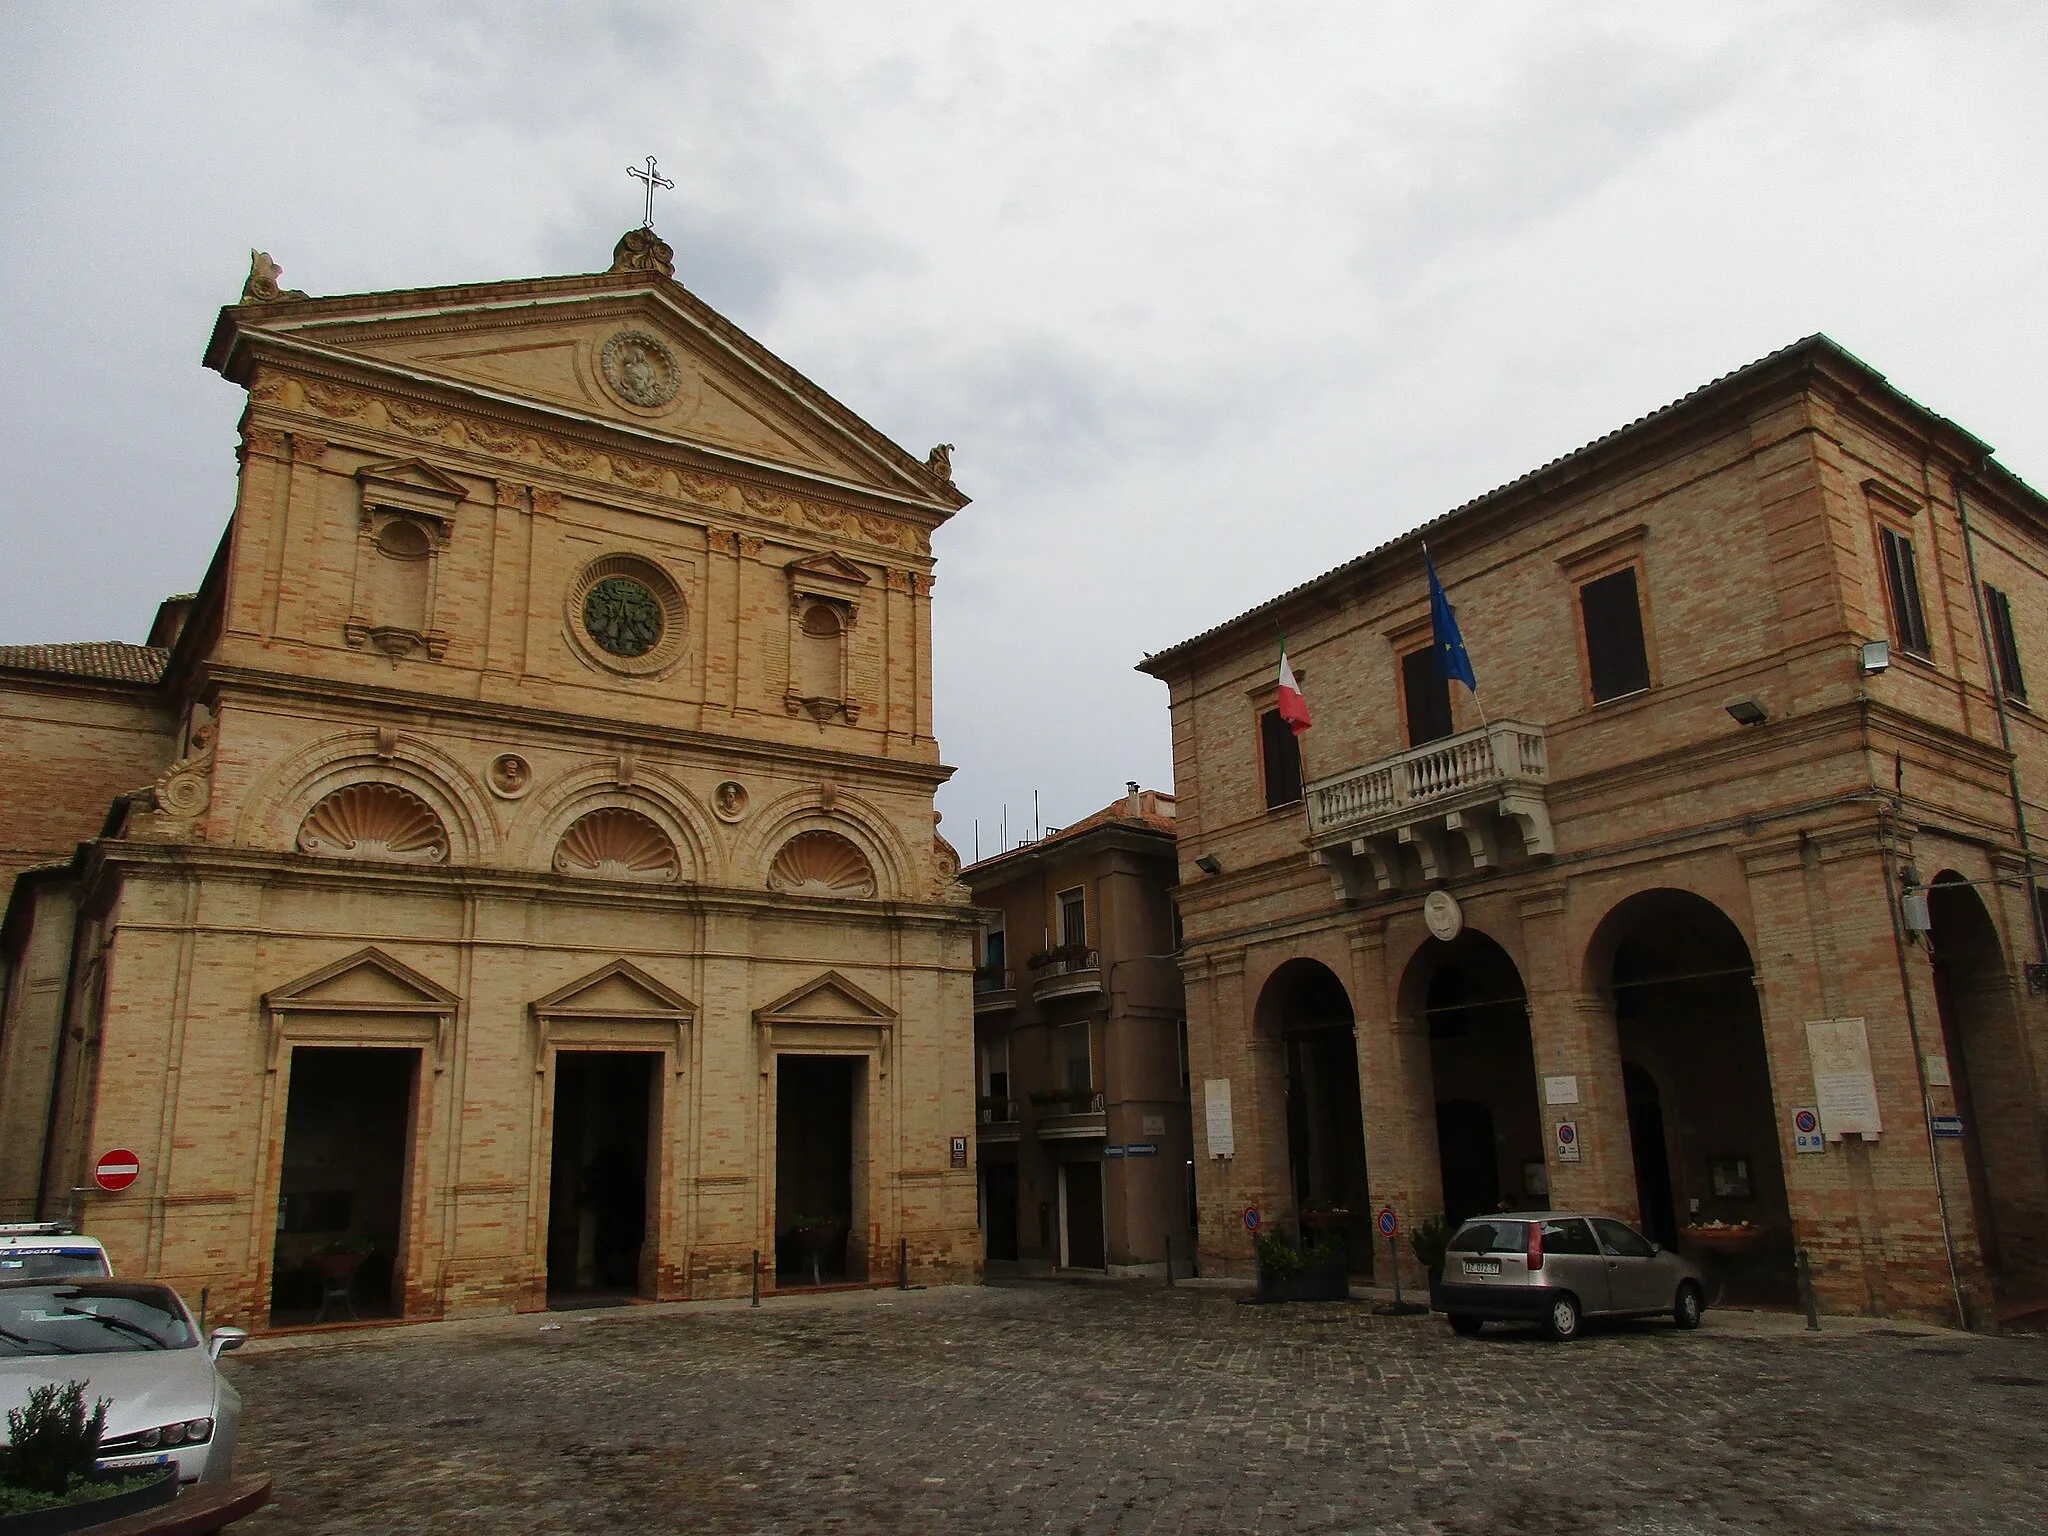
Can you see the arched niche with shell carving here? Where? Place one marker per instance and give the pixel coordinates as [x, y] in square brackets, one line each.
[821, 864]
[374, 821]
[614, 843]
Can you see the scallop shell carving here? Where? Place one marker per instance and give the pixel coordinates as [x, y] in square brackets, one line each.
[617, 844]
[375, 821]
[821, 864]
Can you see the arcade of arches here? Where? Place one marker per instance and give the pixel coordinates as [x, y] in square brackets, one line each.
[1680, 1098]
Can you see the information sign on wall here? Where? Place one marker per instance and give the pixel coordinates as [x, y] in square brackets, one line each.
[1806, 1132]
[1567, 1141]
[1560, 1090]
[959, 1151]
[1216, 1112]
[1842, 1079]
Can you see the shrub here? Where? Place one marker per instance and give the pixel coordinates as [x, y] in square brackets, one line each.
[1430, 1241]
[52, 1440]
[1281, 1260]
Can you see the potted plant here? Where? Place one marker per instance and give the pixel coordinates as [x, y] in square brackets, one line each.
[813, 1235]
[48, 1483]
[1315, 1273]
[1429, 1242]
[1069, 1100]
[1326, 1216]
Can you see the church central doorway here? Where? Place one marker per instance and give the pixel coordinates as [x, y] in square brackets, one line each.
[598, 1183]
[341, 1209]
[820, 1221]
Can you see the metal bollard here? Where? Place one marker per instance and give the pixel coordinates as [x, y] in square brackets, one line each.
[1806, 1291]
[1169, 1258]
[757, 1279]
[204, 1292]
[902, 1263]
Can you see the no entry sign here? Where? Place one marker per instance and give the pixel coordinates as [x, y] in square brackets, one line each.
[116, 1170]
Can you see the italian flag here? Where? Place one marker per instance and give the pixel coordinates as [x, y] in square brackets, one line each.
[1293, 707]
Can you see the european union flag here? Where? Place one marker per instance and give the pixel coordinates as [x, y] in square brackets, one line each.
[1452, 664]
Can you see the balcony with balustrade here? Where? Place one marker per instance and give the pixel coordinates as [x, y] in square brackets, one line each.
[1072, 970]
[1470, 802]
[996, 1118]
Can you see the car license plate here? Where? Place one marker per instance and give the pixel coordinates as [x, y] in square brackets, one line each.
[1482, 1266]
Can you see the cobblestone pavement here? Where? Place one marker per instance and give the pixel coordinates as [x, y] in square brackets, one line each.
[1129, 1408]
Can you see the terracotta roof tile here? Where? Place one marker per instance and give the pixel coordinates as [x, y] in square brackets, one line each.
[114, 660]
[1115, 813]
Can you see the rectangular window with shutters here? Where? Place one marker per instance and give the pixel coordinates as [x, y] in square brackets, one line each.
[1073, 917]
[2012, 682]
[1617, 659]
[1282, 759]
[1427, 696]
[1902, 585]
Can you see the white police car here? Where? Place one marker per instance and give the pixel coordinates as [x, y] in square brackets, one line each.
[49, 1250]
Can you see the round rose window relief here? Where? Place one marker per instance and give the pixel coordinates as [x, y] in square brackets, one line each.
[622, 616]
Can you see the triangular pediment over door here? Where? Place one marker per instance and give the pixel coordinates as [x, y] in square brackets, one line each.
[366, 998]
[828, 1013]
[618, 1006]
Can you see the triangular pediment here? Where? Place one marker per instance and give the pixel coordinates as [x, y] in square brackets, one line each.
[620, 990]
[368, 981]
[654, 360]
[826, 999]
[829, 567]
[413, 475]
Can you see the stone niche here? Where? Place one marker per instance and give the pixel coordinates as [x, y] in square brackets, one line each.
[825, 594]
[402, 531]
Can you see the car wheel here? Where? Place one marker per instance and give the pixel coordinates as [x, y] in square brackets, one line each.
[1687, 1308]
[1562, 1321]
[1466, 1326]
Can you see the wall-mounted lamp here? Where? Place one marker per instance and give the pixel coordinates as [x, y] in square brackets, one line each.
[1209, 864]
[1748, 712]
[1877, 655]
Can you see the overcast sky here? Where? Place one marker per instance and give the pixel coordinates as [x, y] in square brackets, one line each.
[1209, 297]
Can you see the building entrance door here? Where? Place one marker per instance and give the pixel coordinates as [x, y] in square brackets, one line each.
[817, 1149]
[342, 1193]
[598, 1176]
[1081, 1205]
[1489, 1128]
[999, 1209]
[1305, 1004]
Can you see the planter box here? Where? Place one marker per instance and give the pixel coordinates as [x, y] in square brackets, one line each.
[1328, 1281]
[63, 1518]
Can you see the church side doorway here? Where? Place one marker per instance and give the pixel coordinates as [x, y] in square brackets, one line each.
[1489, 1129]
[598, 1184]
[342, 1192]
[1989, 1074]
[820, 1157]
[1305, 1004]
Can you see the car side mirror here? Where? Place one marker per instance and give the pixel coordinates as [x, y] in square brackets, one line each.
[225, 1339]
[1655, 1249]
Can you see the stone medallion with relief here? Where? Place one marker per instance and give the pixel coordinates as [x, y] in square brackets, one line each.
[640, 370]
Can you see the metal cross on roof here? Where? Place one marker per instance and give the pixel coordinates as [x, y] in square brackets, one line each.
[654, 179]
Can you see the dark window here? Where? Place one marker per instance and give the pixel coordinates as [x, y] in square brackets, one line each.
[993, 948]
[1073, 919]
[1283, 760]
[1429, 697]
[1998, 609]
[1902, 580]
[1568, 1237]
[1614, 635]
[1623, 1240]
[1491, 1237]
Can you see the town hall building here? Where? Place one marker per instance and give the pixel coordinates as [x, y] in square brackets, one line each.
[513, 874]
[1724, 916]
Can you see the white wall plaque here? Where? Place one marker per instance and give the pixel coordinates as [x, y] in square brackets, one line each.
[1560, 1090]
[1937, 1072]
[1216, 1112]
[1155, 1125]
[1842, 1079]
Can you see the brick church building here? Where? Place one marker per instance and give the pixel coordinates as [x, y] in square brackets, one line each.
[513, 873]
[1721, 918]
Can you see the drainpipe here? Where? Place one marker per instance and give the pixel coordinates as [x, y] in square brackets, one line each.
[2012, 767]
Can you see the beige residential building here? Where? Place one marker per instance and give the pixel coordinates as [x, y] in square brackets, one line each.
[1080, 1047]
[514, 871]
[1726, 915]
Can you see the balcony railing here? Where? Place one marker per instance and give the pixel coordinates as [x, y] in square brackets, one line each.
[994, 989]
[1434, 809]
[1073, 1114]
[1073, 970]
[996, 1118]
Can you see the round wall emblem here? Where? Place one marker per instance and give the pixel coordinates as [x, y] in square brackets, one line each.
[1445, 918]
[640, 369]
[510, 776]
[623, 616]
[626, 615]
[729, 800]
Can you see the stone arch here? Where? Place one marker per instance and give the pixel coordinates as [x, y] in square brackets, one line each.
[1470, 996]
[1992, 1079]
[277, 807]
[547, 815]
[1305, 1009]
[1703, 1119]
[850, 817]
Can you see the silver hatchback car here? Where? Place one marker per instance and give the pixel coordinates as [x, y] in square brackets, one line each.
[1560, 1267]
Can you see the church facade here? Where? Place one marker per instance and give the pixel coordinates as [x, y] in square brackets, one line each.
[1725, 916]
[514, 872]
